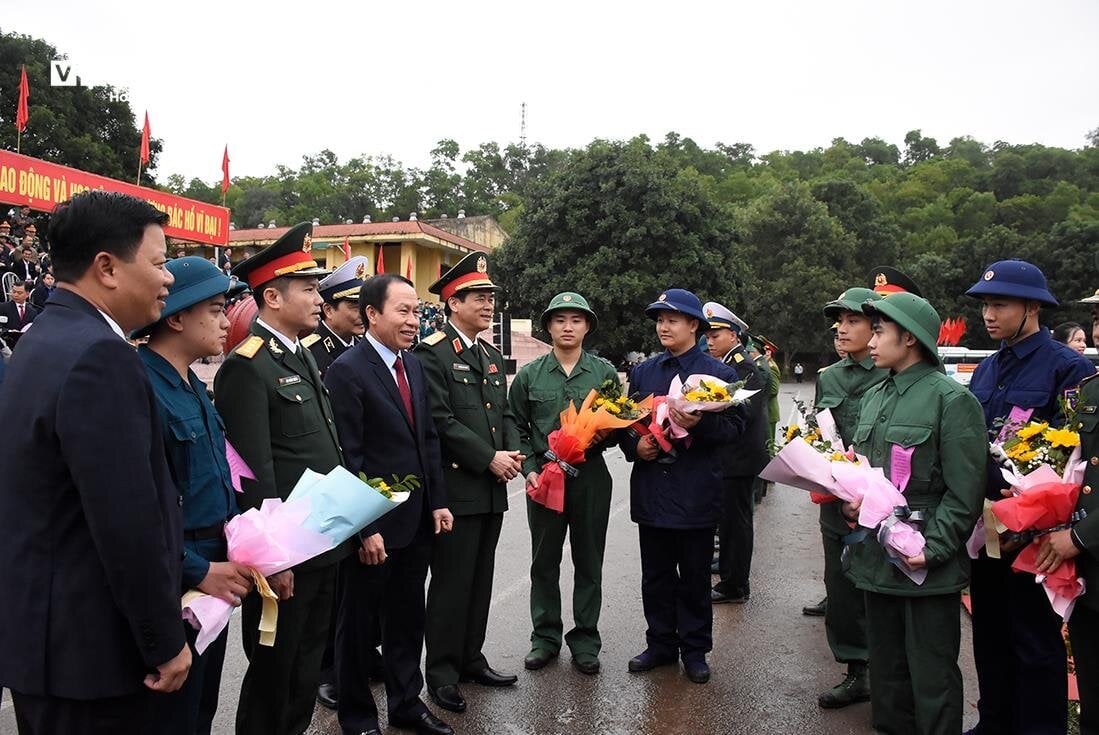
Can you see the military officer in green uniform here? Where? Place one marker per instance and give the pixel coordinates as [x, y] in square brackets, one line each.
[341, 324]
[1081, 542]
[480, 445]
[277, 416]
[840, 388]
[540, 392]
[927, 433]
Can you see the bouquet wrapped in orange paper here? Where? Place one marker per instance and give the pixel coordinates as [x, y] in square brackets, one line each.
[603, 410]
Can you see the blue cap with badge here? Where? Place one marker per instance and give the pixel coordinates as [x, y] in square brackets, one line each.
[677, 299]
[345, 281]
[1015, 279]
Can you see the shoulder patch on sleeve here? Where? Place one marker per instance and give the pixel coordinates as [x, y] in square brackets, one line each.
[249, 347]
[310, 340]
[434, 338]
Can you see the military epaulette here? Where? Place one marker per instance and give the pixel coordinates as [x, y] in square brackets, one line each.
[249, 347]
[434, 338]
[738, 357]
[310, 340]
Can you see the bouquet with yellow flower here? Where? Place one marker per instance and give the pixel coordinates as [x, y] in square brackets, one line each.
[578, 431]
[812, 444]
[696, 394]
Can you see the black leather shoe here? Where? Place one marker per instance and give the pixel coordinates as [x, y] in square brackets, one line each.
[326, 696]
[817, 610]
[718, 598]
[448, 697]
[489, 677]
[425, 724]
[538, 658]
[697, 671]
[647, 661]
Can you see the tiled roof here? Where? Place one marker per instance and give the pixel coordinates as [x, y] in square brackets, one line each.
[369, 229]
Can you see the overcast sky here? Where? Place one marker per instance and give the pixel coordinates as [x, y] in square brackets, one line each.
[277, 80]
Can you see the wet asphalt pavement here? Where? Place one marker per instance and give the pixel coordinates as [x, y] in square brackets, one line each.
[769, 661]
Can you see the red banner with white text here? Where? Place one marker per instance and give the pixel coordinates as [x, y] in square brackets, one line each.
[43, 185]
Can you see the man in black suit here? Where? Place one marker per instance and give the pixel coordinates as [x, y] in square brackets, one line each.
[383, 417]
[17, 313]
[25, 268]
[90, 528]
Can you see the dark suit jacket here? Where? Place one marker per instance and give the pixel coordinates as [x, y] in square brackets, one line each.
[377, 438]
[25, 271]
[90, 527]
[11, 311]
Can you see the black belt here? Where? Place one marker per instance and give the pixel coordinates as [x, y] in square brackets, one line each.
[205, 534]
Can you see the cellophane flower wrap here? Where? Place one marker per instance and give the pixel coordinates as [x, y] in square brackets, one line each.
[812, 443]
[321, 512]
[602, 409]
[1044, 469]
[698, 393]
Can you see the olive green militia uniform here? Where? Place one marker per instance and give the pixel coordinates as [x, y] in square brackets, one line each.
[914, 631]
[840, 388]
[539, 393]
[470, 406]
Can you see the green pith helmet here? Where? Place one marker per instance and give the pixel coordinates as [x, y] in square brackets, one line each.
[569, 300]
[850, 300]
[913, 313]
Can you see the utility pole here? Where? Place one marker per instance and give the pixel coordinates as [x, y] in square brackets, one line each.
[523, 126]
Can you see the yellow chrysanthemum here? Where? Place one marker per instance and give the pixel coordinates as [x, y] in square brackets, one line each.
[1018, 449]
[1062, 438]
[622, 400]
[1026, 456]
[1034, 428]
[791, 431]
[720, 394]
[612, 408]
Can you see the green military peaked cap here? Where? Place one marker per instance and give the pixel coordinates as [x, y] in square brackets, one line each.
[850, 300]
[913, 313]
[569, 300]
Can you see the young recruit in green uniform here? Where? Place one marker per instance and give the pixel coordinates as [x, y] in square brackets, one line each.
[840, 388]
[540, 392]
[927, 433]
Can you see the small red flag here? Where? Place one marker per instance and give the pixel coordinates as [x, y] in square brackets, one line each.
[21, 112]
[224, 170]
[408, 269]
[145, 140]
[381, 259]
[346, 249]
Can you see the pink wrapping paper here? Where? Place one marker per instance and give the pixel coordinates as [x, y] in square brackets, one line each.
[269, 539]
[799, 465]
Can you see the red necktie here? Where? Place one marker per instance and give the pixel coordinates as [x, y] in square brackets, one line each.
[21, 307]
[405, 391]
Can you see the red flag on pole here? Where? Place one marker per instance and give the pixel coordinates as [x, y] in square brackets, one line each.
[381, 259]
[408, 269]
[145, 140]
[21, 112]
[224, 169]
[346, 249]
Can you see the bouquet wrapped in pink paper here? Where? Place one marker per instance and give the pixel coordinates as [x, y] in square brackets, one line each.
[321, 512]
[695, 394]
[805, 460]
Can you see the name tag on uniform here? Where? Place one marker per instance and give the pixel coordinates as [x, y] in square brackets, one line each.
[461, 366]
[289, 380]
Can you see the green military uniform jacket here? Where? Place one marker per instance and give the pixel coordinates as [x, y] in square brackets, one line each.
[840, 388]
[469, 402]
[1086, 532]
[540, 392]
[922, 408]
[277, 416]
[774, 383]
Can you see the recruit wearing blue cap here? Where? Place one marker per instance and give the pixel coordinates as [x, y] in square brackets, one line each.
[678, 299]
[196, 280]
[1015, 279]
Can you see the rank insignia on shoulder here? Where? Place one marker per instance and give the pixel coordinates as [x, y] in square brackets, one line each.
[461, 366]
[310, 340]
[737, 357]
[273, 345]
[329, 345]
[249, 347]
[457, 345]
[289, 380]
[434, 338]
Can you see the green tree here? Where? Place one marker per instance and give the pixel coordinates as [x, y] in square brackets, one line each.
[619, 223]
